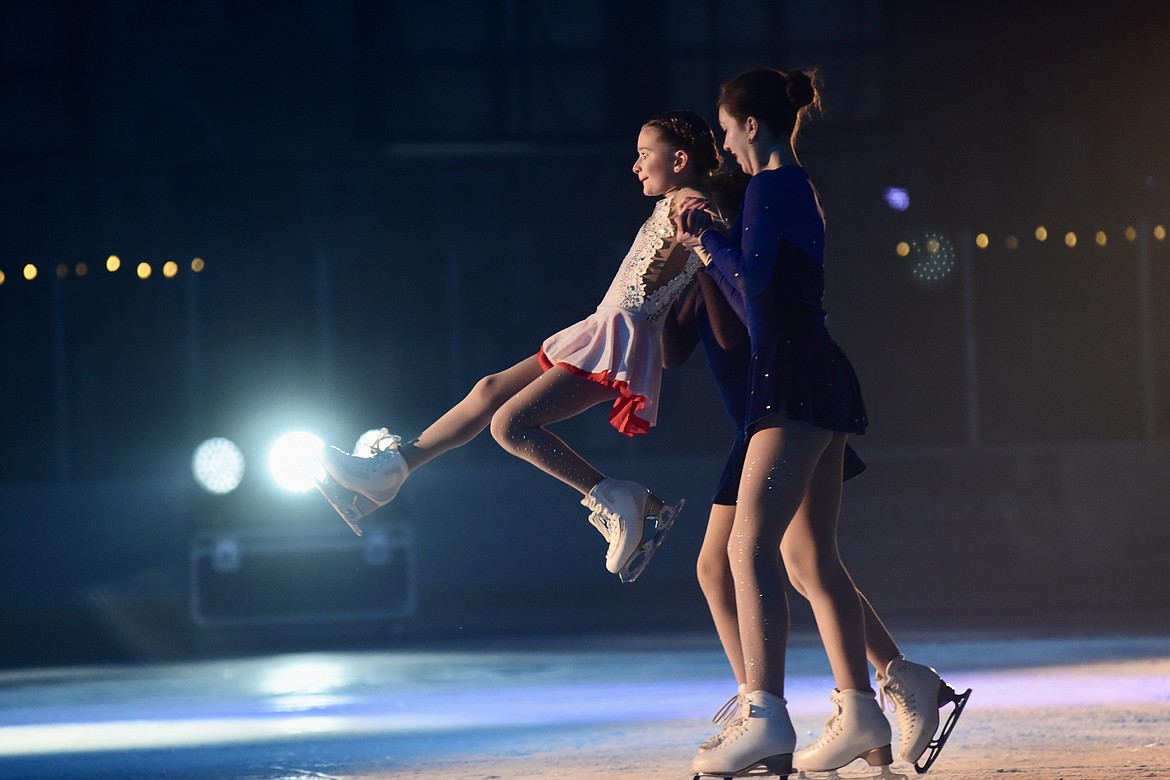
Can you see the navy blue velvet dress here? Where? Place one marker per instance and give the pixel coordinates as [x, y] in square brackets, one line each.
[772, 265]
[729, 368]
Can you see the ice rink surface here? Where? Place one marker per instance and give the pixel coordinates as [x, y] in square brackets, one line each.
[1047, 707]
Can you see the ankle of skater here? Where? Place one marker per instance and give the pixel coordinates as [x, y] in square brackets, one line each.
[413, 454]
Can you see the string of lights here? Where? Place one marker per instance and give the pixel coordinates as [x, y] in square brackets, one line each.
[31, 272]
[933, 253]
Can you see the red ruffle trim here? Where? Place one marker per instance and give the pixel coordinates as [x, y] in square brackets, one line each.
[623, 415]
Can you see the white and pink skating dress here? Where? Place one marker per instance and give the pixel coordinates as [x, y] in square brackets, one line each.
[620, 344]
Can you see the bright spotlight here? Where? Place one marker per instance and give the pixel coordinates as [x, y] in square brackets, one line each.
[293, 460]
[218, 465]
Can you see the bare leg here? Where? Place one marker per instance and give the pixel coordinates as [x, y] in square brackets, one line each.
[714, 570]
[809, 548]
[464, 421]
[777, 472]
[519, 425]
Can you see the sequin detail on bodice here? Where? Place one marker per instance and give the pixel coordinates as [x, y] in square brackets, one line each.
[644, 264]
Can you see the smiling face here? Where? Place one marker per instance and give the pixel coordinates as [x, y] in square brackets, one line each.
[735, 140]
[658, 166]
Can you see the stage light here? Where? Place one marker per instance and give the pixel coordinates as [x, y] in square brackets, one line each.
[218, 466]
[293, 461]
[1160, 232]
[982, 241]
[81, 269]
[62, 270]
[1131, 233]
[903, 249]
[896, 198]
[144, 270]
[2, 277]
[30, 271]
[197, 264]
[1041, 233]
[1101, 238]
[113, 263]
[170, 269]
[1070, 239]
[1011, 242]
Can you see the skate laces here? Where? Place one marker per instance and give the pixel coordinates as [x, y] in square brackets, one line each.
[833, 726]
[381, 441]
[601, 521]
[892, 693]
[729, 710]
[728, 715]
[735, 728]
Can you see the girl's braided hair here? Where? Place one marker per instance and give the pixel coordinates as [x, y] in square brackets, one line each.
[689, 132]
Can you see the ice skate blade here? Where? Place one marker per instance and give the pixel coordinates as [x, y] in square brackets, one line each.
[772, 766]
[866, 773]
[946, 695]
[350, 505]
[641, 557]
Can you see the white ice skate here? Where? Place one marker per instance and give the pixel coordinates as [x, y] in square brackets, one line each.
[760, 742]
[856, 730]
[350, 505]
[374, 475]
[726, 717]
[618, 510]
[917, 694]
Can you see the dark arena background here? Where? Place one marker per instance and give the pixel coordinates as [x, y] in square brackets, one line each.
[228, 222]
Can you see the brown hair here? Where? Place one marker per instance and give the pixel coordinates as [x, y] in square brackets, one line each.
[779, 99]
[689, 132]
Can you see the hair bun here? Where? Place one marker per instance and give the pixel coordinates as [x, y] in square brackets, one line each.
[799, 88]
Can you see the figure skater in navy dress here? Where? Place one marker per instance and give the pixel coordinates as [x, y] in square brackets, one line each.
[915, 692]
[803, 400]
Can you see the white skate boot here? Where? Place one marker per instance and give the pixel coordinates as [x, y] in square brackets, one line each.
[857, 729]
[762, 736]
[350, 505]
[358, 484]
[917, 694]
[727, 716]
[618, 510]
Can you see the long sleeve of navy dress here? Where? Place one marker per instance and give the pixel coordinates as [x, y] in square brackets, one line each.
[770, 266]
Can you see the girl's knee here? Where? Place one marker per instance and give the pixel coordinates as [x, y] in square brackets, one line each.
[713, 570]
[814, 577]
[502, 426]
[490, 391]
[797, 578]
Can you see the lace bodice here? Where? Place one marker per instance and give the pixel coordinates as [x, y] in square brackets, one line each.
[656, 270]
